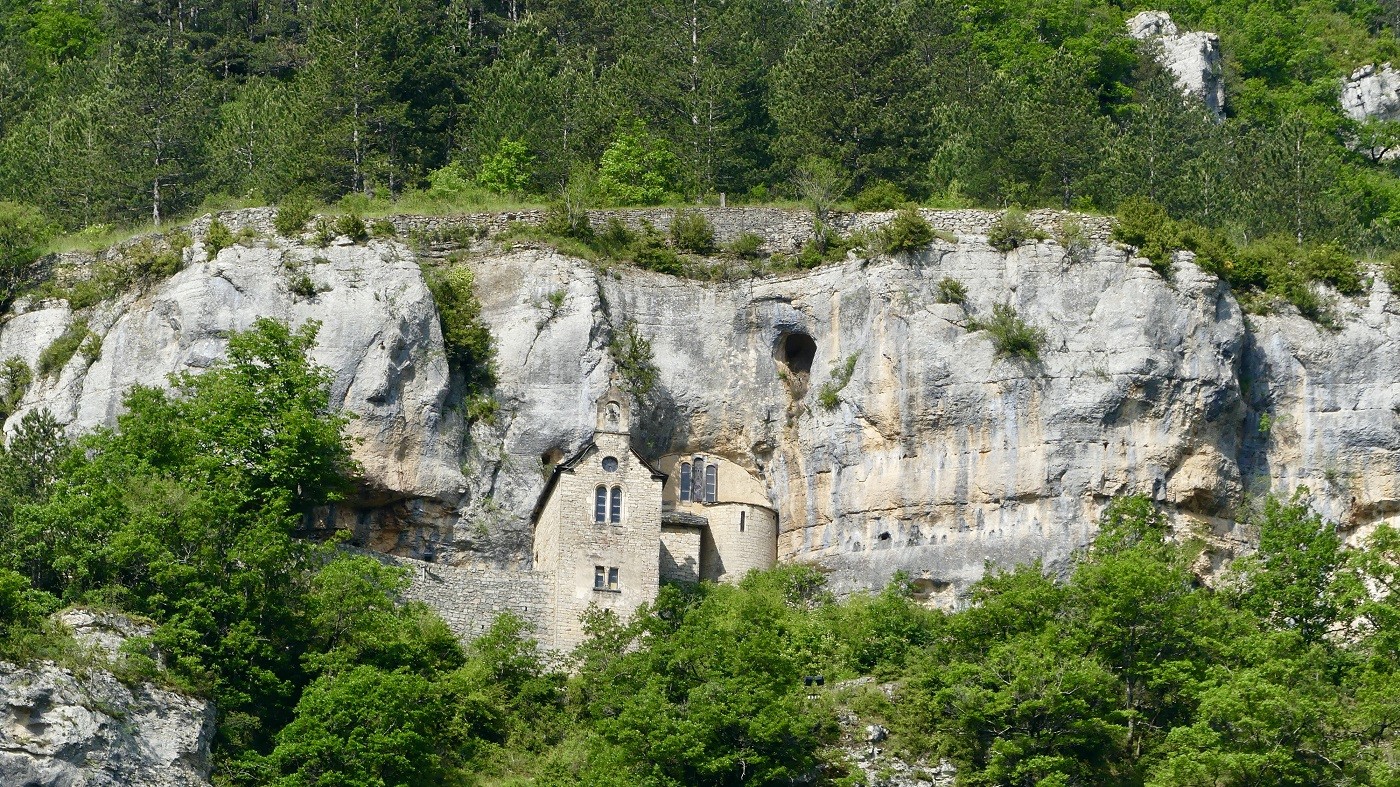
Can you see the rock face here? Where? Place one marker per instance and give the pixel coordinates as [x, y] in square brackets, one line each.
[63, 729]
[937, 455]
[379, 334]
[1192, 57]
[1372, 92]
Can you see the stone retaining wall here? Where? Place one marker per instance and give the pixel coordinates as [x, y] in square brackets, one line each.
[469, 599]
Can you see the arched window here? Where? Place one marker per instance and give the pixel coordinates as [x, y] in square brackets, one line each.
[615, 510]
[685, 482]
[600, 504]
[697, 480]
[711, 482]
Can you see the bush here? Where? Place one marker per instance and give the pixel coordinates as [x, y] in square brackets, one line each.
[465, 337]
[324, 233]
[1071, 236]
[826, 245]
[352, 227]
[632, 353]
[23, 232]
[1146, 226]
[384, 229]
[952, 291]
[301, 285]
[616, 239]
[448, 183]
[830, 394]
[1330, 264]
[652, 253]
[217, 238]
[566, 222]
[57, 355]
[691, 231]
[292, 214]
[1390, 272]
[1011, 336]
[880, 195]
[638, 168]
[908, 231]
[1011, 230]
[15, 378]
[507, 170]
[747, 246]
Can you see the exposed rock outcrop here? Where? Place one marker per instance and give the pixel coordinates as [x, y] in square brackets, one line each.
[61, 728]
[1372, 92]
[938, 455]
[379, 334]
[1192, 57]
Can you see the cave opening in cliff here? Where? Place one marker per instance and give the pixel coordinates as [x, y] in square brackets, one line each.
[796, 352]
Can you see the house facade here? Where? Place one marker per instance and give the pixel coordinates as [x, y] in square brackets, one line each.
[610, 526]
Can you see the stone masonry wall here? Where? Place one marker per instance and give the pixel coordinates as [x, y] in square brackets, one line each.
[469, 599]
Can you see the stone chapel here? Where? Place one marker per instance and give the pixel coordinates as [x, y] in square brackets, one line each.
[610, 526]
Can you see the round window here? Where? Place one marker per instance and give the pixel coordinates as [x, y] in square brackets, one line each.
[610, 464]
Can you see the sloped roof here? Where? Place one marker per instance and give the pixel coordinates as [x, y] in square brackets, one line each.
[574, 461]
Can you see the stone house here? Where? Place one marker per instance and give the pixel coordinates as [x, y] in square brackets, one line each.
[610, 526]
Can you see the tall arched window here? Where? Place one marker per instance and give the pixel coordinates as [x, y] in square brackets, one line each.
[685, 482]
[697, 480]
[600, 504]
[615, 510]
[711, 482]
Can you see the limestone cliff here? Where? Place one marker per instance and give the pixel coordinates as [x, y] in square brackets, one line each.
[937, 456]
[61, 727]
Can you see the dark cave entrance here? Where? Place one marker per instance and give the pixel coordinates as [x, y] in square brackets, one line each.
[796, 351]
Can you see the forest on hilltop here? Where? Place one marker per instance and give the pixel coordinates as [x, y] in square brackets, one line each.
[119, 112]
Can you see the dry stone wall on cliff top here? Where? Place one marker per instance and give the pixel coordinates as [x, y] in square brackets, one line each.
[938, 456]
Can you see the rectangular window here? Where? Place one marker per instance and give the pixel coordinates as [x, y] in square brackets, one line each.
[741, 520]
[599, 578]
[685, 482]
[612, 579]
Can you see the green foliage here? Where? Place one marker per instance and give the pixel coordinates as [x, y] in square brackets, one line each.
[300, 284]
[692, 232]
[638, 168]
[508, 170]
[292, 214]
[821, 182]
[747, 246]
[217, 238]
[1011, 230]
[951, 291]
[56, 356]
[1012, 337]
[908, 231]
[23, 232]
[880, 195]
[1145, 224]
[383, 229]
[352, 227]
[632, 353]
[464, 335]
[830, 394]
[15, 377]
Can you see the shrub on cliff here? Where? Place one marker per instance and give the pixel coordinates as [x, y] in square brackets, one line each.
[1011, 336]
[907, 231]
[691, 231]
[23, 232]
[465, 337]
[292, 214]
[880, 195]
[1012, 229]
